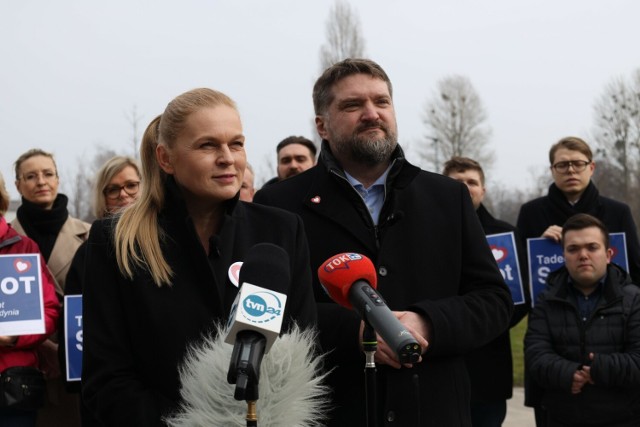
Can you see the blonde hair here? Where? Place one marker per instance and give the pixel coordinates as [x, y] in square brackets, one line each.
[4, 197]
[572, 143]
[29, 154]
[109, 169]
[137, 235]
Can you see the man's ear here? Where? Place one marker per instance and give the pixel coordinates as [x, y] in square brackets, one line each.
[164, 159]
[321, 126]
[609, 255]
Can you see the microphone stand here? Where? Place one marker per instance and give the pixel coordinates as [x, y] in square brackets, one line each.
[244, 370]
[369, 346]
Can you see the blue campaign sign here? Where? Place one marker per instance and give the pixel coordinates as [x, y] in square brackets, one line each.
[73, 336]
[21, 306]
[503, 247]
[618, 243]
[545, 256]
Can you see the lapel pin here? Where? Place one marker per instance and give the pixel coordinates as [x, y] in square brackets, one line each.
[234, 273]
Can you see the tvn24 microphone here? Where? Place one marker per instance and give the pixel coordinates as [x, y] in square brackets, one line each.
[350, 280]
[256, 315]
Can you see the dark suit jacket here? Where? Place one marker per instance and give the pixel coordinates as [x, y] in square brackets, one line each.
[432, 258]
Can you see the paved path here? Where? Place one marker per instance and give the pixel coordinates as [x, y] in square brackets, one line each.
[518, 415]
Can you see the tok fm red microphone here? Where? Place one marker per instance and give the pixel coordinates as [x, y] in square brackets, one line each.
[350, 280]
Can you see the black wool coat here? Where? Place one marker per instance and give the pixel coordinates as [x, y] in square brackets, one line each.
[553, 209]
[491, 366]
[431, 257]
[136, 333]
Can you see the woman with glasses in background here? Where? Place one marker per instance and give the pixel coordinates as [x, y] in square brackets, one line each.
[116, 186]
[43, 216]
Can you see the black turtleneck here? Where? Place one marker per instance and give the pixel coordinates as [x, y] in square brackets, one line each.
[43, 225]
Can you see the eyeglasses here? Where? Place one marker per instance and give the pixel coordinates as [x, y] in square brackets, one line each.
[113, 191]
[33, 177]
[577, 165]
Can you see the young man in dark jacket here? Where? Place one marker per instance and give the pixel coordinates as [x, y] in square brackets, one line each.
[572, 192]
[435, 269]
[490, 366]
[583, 341]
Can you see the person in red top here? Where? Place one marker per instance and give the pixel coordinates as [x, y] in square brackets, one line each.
[21, 350]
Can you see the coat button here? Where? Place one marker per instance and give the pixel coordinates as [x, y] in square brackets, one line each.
[391, 416]
[382, 271]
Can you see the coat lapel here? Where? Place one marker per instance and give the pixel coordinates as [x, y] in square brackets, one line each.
[15, 224]
[71, 236]
[343, 206]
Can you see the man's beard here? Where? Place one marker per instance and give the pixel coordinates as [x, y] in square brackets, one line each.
[367, 151]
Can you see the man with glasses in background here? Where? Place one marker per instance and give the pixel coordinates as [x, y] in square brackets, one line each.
[572, 192]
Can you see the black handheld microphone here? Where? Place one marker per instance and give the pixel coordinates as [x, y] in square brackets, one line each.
[256, 316]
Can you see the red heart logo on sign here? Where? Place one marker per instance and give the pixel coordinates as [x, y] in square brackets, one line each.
[21, 266]
[499, 253]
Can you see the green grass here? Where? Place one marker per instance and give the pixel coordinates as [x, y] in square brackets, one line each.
[517, 344]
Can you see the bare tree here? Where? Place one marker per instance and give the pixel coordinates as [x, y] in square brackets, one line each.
[617, 129]
[505, 202]
[134, 120]
[344, 37]
[540, 178]
[80, 191]
[608, 176]
[264, 170]
[456, 122]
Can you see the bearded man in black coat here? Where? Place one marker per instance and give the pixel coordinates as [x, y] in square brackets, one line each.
[435, 268]
[490, 366]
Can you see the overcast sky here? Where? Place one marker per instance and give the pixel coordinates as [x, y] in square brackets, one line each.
[72, 71]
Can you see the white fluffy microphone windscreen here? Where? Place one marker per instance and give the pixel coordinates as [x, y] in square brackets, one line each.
[292, 390]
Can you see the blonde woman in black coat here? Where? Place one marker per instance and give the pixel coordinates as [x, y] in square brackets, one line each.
[159, 272]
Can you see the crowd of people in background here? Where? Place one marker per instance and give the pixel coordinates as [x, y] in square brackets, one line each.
[153, 270]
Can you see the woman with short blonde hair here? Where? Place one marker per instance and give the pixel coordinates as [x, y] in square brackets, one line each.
[43, 216]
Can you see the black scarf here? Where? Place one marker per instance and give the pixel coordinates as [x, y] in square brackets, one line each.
[43, 225]
[561, 209]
